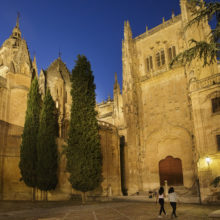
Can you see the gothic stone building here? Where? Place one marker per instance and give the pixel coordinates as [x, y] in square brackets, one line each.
[168, 118]
[16, 72]
[161, 127]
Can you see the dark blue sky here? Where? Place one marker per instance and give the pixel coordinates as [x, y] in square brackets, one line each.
[90, 27]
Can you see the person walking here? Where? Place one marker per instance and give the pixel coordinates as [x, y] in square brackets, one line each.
[161, 201]
[173, 199]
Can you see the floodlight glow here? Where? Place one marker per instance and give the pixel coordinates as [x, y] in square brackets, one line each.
[208, 160]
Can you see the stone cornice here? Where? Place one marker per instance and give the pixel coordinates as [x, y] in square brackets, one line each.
[106, 125]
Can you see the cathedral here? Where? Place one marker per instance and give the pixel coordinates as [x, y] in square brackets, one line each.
[161, 128]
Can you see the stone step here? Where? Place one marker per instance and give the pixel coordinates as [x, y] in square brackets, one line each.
[180, 190]
[185, 199]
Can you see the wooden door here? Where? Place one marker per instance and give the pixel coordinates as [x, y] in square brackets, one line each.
[170, 169]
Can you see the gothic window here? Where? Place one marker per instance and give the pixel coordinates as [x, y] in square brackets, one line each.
[149, 63]
[172, 52]
[218, 142]
[160, 58]
[216, 105]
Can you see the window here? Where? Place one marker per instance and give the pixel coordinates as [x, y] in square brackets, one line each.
[172, 52]
[160, 58]
[149, 63]
[218, 142]
[216, 105]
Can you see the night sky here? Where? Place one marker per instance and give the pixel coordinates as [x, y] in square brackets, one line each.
[90, 27]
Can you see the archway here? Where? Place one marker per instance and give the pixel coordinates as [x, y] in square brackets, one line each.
[170, 169]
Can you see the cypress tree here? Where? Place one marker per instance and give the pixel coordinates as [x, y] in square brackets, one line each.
[84, 159]
[28, 150]
[47, 148]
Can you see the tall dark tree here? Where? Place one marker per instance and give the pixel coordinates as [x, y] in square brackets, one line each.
[47, 152]
[84, 159]
[28, 150]
[208, 50]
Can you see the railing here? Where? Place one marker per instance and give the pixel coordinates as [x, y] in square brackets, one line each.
[203, 83]
[159, 27]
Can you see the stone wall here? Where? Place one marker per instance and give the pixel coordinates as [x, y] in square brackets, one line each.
[12, 188]
[110, 143]
[207, 126]
[167, 127]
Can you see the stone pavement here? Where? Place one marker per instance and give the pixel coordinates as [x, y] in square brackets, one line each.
[68, 210]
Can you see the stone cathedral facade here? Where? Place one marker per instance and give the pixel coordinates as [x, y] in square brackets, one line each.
[162, 126]
[168, 118]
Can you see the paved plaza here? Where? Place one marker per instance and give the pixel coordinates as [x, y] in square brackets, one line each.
[69, 210]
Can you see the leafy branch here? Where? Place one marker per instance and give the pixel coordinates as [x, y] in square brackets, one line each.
[206, 51]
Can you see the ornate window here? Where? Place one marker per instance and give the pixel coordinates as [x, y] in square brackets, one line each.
[216, 105]
[160, 58]
[149, 64]
[218, 142]
[171, 52]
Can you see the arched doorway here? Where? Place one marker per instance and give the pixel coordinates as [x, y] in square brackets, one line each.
[122, 165]
[170, 169]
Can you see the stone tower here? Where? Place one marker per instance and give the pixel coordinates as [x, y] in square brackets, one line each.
[16, 71]
[57, 79]
[131, 104]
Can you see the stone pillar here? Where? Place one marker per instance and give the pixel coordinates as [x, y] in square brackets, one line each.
[165, 188]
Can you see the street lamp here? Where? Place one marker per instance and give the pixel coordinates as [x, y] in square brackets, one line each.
[208, 160]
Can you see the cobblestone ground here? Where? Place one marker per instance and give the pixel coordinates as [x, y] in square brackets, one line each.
[98, 211]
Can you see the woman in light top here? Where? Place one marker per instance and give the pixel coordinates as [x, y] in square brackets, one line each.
[161, 201]
[173, 199]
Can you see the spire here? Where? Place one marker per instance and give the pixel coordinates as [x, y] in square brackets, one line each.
[173, 14]
[116, 78]
[34, 64]
[17, 22]
[59, 55]
[116, 84]
[16, 33]
[127, 31]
